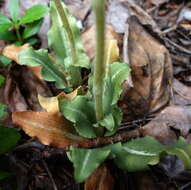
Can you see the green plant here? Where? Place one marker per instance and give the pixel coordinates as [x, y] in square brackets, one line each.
[21, 29]
[94, 113]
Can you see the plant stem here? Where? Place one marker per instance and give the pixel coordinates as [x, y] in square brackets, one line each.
[75, 72]
[18, 34]
[100, 66]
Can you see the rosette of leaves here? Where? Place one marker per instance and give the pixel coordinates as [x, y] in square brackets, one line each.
[94, 114]
[21, 29]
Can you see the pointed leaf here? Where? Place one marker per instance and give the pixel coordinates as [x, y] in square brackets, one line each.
[5, 23]
[14, 9]
[86, 161]
[33, 14]
[32, 29]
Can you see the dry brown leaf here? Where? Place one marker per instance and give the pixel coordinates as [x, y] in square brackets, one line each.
[89, 39]
[151, 72]
[172, 117]
[51, 104]
[182, 93]
[160, 130]
[12, 52]
[101, 179]
[50, 129]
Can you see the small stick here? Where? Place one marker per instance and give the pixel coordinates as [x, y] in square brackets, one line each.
[50, 175]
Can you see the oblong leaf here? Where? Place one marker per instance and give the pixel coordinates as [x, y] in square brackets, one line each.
[50, 129]
[32, 29]
[34, 13]
[86, 161]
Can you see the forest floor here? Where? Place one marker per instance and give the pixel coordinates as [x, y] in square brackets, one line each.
[154, 37]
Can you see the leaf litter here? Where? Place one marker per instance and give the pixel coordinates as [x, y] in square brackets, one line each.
[154, 92]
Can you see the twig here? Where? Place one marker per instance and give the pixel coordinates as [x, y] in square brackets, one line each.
[180, 48]
[50, 175]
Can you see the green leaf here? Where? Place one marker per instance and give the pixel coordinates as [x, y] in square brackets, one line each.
[2, 111]
[86, 161]
[33, 14]
[32, 41]
[137, 154]
[5, 23]
[81, 112]
[182, 150]
[49, 72]
[8, 138]
[2, 80]
[4, 61]
[64, 39]
[119, 72]
[14, 9]
[7, 35]
[32, 29]
[4, 175]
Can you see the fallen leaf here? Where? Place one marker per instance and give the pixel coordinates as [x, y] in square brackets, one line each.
[89, 39]
[50, 129]
[101, 179]
[12, 52]
[51, 104]
[17, 96]
[182, 93]
[171, 119]
[151, 72]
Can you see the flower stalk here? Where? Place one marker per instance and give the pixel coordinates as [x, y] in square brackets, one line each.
[99, 66]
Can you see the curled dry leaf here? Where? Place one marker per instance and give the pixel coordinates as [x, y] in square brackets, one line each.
[89, 39]
[151, 72]
[182, 93]
[51, 104]
[172, 117]
[17, 96]
[12, 52]
[101, 179]
[50, 129]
